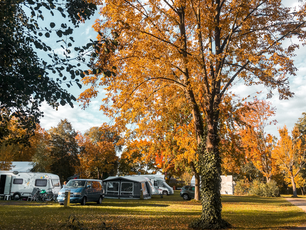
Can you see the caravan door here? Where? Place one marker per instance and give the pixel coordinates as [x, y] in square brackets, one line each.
[8, 184]
[5, 184]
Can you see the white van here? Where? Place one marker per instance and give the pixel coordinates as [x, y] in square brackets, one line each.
[21, 184]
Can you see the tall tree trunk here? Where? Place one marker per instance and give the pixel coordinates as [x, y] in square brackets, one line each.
[197, 181]
[293, 187]
[197, 186]
[210, 165]
[292, 181]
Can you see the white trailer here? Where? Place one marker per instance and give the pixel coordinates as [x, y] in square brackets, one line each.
[159, 183]
[18, 185]
[227, 184]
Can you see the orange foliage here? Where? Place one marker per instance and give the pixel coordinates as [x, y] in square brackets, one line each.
[258, 145]
[290, 154]
[97, 156]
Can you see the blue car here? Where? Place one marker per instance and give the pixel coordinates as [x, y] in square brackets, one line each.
[82, 191]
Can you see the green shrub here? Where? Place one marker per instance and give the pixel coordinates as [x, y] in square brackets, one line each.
[242, 187]
[273, 189]
[257, 188]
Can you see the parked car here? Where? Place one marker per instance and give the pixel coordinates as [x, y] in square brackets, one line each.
[187, 192]
[82, 191]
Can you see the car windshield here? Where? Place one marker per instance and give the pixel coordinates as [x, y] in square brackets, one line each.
[76, 183]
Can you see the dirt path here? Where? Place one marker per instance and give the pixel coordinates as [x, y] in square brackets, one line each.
[301, 203]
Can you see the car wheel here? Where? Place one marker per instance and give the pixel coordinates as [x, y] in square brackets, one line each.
[186, 197]
[83, 202]
[16, 196]
[165, 193]
[100, 200]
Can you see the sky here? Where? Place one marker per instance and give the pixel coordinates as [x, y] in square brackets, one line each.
[287, 111]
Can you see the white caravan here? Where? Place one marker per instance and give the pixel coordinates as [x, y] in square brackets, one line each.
[21, 184]
[159, 183]
[227, 184]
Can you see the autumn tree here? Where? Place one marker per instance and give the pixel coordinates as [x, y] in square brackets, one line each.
[136, 158]
[156, 52]
[290, 155]
[42, 156]
[18, 145]
[257, 144]
[98, 148]
[64, 150]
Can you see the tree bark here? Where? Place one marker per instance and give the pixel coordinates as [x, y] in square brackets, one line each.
[210, 168]
[197, 186]
[293, 187]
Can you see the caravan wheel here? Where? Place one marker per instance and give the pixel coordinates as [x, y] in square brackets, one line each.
[165, 193]
[16, 196]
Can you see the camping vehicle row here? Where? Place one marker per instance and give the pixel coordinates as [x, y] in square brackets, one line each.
[19, 185]
[82, 191]
[135, 187]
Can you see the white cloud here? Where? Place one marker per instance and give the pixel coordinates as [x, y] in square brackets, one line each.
[81, 120]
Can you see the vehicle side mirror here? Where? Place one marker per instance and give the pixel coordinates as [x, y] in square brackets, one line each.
[88, 186]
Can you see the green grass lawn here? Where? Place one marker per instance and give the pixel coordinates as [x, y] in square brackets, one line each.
[170, 212]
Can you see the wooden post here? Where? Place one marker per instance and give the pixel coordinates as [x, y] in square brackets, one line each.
[67, 199]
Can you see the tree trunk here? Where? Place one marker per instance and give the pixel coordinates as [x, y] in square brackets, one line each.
[293, 187]
[197, 181]
[197, 186]
[210, 168]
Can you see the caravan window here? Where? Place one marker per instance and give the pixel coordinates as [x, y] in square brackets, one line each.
[112, 187]
[17, 181]
[55, 183]
[41, 182]
[127, 187]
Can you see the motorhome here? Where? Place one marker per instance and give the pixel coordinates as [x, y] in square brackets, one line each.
[159, 183]
[227, 184]
[17, 185]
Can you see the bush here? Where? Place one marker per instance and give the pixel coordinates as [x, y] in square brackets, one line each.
[257, 188]
[242, 187]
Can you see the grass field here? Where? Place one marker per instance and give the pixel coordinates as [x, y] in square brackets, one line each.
[170, 212]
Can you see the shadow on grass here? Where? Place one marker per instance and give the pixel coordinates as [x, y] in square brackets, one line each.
[254, 199]
[114, 204]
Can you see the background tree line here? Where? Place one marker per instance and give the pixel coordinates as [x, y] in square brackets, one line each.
[101, 152]
[63, 151]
